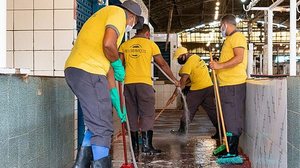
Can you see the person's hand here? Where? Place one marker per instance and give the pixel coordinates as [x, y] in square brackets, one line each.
[115, 100]
[215, 65]
[119, 70]
[176, 83]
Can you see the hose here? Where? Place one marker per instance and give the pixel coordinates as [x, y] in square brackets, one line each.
[182, 95]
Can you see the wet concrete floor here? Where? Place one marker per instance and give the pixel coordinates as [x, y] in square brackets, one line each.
[191, 151]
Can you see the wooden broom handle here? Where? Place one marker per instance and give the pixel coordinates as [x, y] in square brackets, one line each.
[216, 88]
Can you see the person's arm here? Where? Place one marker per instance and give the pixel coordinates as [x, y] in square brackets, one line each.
[183, 80]
[114, 95]
[110, 44]
[122, 58]
[165, 67]
[237, 59]
[111, 79]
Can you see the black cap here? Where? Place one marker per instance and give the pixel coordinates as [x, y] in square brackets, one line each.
[134, 8]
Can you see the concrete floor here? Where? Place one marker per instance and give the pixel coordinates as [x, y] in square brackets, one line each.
[193, 150]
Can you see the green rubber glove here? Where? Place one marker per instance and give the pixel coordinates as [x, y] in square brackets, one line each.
[119, 70]
[115, 99]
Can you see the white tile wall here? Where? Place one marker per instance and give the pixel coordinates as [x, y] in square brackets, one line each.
[43, 4]
[9, 20]
[43, 60]
[9, 4]
[162, 95]
[23, 4]
[43, 73]
[23, 20]
[23, 40]
[24, 59]
[63, 4]
[63, 39]
[60, 58]
[63, 19]
[33, 41]
[9, 40]
[9, 59]
[59, 73]
[43, 19]
[43, 40]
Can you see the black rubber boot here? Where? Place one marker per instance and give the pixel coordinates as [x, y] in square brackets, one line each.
[135, 142]
[84, 157]
[181, 130]
[233, 143]
[147, 147]
[102, 163]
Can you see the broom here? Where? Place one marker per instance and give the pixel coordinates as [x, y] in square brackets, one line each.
[228, 159]
[125, 164]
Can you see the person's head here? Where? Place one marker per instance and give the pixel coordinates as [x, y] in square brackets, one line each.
[145, 31]
[228, 24]
[181, 54]
[134, 19]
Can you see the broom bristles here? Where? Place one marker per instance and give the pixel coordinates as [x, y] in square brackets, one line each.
[219, 149]
[230, 160]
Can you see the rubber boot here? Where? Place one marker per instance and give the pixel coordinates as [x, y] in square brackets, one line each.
[233, 143]
[135, 143]
[102, 163]
[84, 157]
[147, 147]
[181, 130]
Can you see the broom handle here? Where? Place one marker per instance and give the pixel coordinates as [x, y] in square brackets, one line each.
[218, 119]
[161, 111]
[123, 124]
[219, 103]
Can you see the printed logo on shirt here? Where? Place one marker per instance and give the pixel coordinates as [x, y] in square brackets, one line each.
[135, 51]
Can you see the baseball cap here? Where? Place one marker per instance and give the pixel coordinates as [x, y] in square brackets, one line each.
[134, 8]
[179, 51]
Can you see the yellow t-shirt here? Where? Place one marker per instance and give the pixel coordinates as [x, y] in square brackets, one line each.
[236, 75]
[197, 70]
[87, 53]
[188, 82]
[138, 53]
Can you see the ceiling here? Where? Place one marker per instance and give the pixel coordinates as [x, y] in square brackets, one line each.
[190, 13]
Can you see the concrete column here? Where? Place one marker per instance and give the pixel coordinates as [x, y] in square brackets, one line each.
[3, 33]
[250, 60]
[293, 26]
[270, 42]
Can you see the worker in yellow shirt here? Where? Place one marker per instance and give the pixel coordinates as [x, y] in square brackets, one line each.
[137, 54]
[94, 53]
[231, 75]
[201, 90]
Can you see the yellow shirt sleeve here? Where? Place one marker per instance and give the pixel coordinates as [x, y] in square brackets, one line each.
[121, 48]
[155, 49]
[186, 68]
[239, 41]
[113, 21]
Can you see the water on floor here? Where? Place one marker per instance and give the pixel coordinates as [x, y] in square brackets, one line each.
[191, 151]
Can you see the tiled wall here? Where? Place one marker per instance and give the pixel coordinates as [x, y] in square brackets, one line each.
[162, 94]
[36, 122]
[293, 117]
[265, 136]
[39, 35]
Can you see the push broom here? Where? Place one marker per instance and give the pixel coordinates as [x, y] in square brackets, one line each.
[125, 164]
[222, 160]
